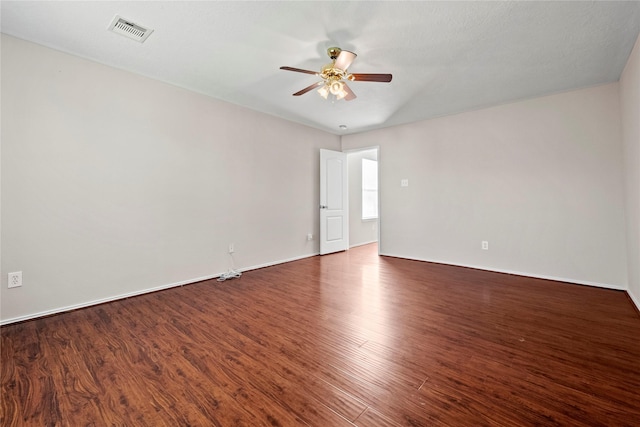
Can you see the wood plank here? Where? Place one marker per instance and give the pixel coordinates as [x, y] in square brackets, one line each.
[347, 339]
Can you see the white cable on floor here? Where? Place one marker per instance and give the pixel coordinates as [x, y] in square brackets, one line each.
[232, 273]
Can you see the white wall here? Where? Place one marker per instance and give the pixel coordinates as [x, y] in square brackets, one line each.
[360, 231]
[539, 179]
[114, 184]
[630, 105]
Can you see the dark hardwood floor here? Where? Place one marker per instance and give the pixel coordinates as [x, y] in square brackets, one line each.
[340, 340]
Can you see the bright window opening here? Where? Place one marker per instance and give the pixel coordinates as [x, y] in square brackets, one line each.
[369, 189]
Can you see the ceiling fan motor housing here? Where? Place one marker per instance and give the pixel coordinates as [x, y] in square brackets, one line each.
[333, 52]
[330, 73]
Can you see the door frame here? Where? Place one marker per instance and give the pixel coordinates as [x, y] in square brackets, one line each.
[356, 150]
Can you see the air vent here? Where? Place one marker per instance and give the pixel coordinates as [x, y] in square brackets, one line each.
[128, 29]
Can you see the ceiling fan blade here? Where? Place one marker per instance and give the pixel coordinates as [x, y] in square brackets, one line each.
[344, 60]
[308, 88]
[298, 70]
[383, 78]
[350, 95]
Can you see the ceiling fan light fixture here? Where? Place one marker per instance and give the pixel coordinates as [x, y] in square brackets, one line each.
[336, 88]
[324, 91]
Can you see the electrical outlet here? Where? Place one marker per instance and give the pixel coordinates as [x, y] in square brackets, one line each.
[231, 248]
[404, 182]
[485, 245]
[309, 237]
[15, 279]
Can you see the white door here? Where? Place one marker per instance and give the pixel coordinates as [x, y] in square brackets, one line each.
[334, 202]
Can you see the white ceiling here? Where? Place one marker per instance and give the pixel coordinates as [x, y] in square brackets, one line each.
[445, 57]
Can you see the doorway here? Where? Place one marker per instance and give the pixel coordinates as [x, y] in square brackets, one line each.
[364, 205]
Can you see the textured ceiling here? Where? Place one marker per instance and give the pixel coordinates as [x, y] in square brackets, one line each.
[445, 57]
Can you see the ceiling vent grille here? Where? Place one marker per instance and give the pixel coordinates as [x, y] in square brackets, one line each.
[128, 29]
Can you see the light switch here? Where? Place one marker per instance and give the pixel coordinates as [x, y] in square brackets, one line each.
[404, 183]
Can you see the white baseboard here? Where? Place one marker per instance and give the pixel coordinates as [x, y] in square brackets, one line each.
[362, 244]
[519, 273]
[634, 298]
[140, 292]
[269, 264]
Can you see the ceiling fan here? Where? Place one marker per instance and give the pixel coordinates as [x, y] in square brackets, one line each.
[334, 74]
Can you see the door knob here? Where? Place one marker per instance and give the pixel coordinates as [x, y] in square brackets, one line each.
[323, 207]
